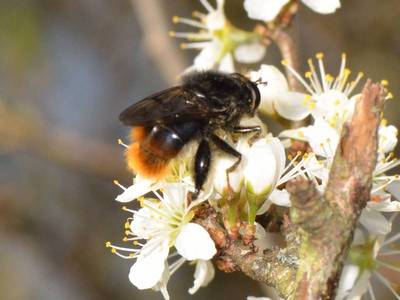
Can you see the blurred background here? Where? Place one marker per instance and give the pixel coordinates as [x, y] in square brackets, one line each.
[67, 69]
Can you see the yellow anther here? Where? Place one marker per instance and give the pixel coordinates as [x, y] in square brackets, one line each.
[360, 74]
[108, 244]
[183, 46]
[308, 74]
[301, 134]
[389, 96]
[384, 122]
[284, 62]
[319, 55]
[135, 243]
[384, 82]
[290, 157]
[131, 254]
[344, 55]
[113, 250]
[337, 102]
[175, 19]
[116, 182]
[127, 232]
[328, 78]
[127, 225]
[125, 239]
[124, 208]
[311, 105]
[172, 33]
[347, 72]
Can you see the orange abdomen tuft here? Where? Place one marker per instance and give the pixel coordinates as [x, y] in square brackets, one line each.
[145, 162]
[139, 134]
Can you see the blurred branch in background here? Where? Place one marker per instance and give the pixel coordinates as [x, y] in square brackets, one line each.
[158, 44]
[28, 133]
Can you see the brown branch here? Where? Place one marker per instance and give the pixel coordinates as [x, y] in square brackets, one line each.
[275, 267]
[22, 132]
[326, 224]
[156, 41]
[290, 54]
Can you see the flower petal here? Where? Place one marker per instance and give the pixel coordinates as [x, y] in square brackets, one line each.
[203, 275]
[139, 188]
[250, 53]
[193, 242]
[347, 281]
[276, 84]
[279, 153]
[323, 6]
[394, 189]
[291, 106]
[330, 102]
[207, 57]
[226, 64]
[162, 284]
[264, 207]
[361, 285]
[264, 10]
[257, 298]
[174, 195]
[322, 138]
[261, 156]
[152, 257]
[375, 222]
[144, 224]
[280, 197]
[215, 19]
[387, 138]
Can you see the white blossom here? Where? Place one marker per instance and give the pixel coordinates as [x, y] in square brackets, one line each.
[331, 106]
[218, 41]
[326, 95]
[369, 255]
[268, 10]
[164, 223]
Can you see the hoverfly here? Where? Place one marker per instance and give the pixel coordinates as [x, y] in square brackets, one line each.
[204, 103]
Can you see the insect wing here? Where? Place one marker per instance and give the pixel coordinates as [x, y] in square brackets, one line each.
[169, 105]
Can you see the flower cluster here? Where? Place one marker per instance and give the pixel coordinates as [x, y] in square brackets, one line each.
[162, 233]
[330, 101]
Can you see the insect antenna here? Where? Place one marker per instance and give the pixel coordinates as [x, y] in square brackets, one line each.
[260, 81]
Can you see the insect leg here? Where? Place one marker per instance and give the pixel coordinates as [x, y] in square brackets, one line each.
[249, 129]
[201, 165]
[228, 149]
